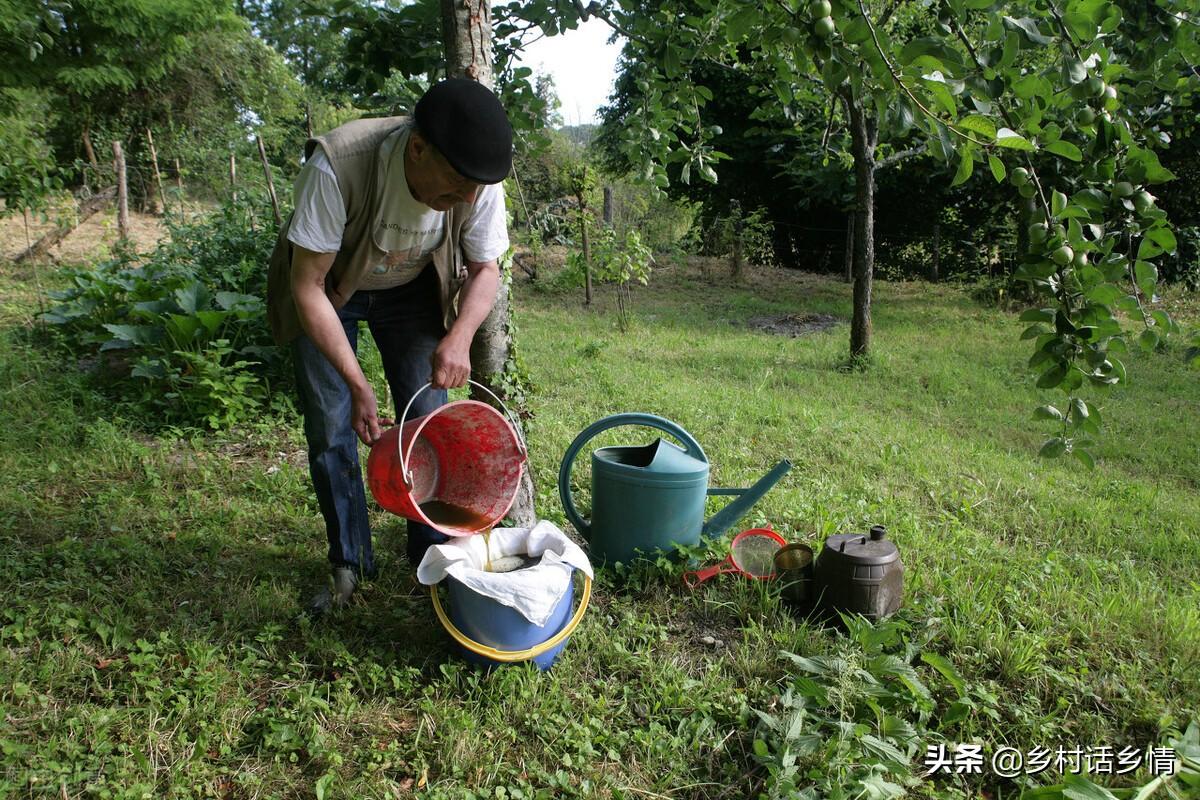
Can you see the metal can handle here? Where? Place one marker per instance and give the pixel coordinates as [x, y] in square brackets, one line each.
[691, 447]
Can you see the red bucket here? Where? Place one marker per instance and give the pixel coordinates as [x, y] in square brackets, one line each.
[456, 469]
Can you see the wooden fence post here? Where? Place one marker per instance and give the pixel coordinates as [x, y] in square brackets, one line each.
[89, 150]
[91, 157]
[162, 195]
[233, 176]
[122, 192]
[179, 188]
[262, 153]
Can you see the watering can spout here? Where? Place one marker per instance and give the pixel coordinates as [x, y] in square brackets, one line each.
[730, 514]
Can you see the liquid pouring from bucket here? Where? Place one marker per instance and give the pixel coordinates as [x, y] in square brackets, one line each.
[752, 554]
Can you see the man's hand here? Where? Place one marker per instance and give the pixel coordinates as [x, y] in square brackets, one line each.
[320, 321]
[364, 415]
[451, 362]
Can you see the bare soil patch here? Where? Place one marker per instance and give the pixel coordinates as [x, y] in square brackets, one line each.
[792, 324]
[91, 241]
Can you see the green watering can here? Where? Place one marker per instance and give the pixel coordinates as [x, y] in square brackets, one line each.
[651, 498]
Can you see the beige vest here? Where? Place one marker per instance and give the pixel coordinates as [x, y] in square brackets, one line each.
[353, 153]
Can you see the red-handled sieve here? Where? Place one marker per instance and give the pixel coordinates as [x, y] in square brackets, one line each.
[752, 553]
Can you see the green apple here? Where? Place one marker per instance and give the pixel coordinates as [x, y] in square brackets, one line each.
[819, 8]
[824, 27]
[1019, 176]
[1063, 256]
[1096, 87]
[1143, 201]
[1080, 260]
[1038, 233]
[1085, 116]
[1027, 190]
[1110, 98]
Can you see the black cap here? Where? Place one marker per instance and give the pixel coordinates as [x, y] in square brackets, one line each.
[467, 124]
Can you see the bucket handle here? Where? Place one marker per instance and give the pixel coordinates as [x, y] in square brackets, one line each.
[510, 656]
[404, 471]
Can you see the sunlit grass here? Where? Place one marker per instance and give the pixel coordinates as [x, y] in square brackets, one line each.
[149, 641]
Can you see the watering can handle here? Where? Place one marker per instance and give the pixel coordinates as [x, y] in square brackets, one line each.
[691, 446]
[408, 479]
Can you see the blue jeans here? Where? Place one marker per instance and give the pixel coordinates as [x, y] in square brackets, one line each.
[406, 323]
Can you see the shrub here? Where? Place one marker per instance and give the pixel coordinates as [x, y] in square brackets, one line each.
[182, 338]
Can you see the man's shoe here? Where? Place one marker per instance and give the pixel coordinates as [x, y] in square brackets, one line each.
[341, 588]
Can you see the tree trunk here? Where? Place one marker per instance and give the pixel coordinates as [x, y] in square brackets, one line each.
[848, 260]
[587, 252]
[863, 132]
[608, 207]
[122, 192]
[467, 37]
[467, 34]
[937, 250]
[735, 225]
[87, 208]
[262, 154]
[1025, 208]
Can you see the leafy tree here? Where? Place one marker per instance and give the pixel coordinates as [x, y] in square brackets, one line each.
[192, 71]
[1068, 100]
[27, 174]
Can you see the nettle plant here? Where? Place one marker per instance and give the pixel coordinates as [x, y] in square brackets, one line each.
[1066, 99]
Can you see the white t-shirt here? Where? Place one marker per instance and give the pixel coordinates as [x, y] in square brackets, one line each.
[408, 230]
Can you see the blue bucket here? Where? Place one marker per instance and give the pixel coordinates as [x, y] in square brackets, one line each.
[492, 624]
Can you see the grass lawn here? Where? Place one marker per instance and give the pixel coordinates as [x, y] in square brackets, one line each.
[149, 645]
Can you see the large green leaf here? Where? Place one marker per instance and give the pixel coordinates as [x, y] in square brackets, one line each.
[183, 328]
[1053, 377]
[1144, 167]
[997, 167]
[1148, 248]
[211, 320]
[1006, 137]
[135, 334]
[1032, 86]
[1029, 27]
[193, 297]
[1053, 448]
[233, 301]
[966, 164]
[1065, 149]
[979, 124]
[938, 49]
[1163, 237]
[1047, 412]
[936, 86]
[1146, 276]
[943, 665]
[740, 24]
